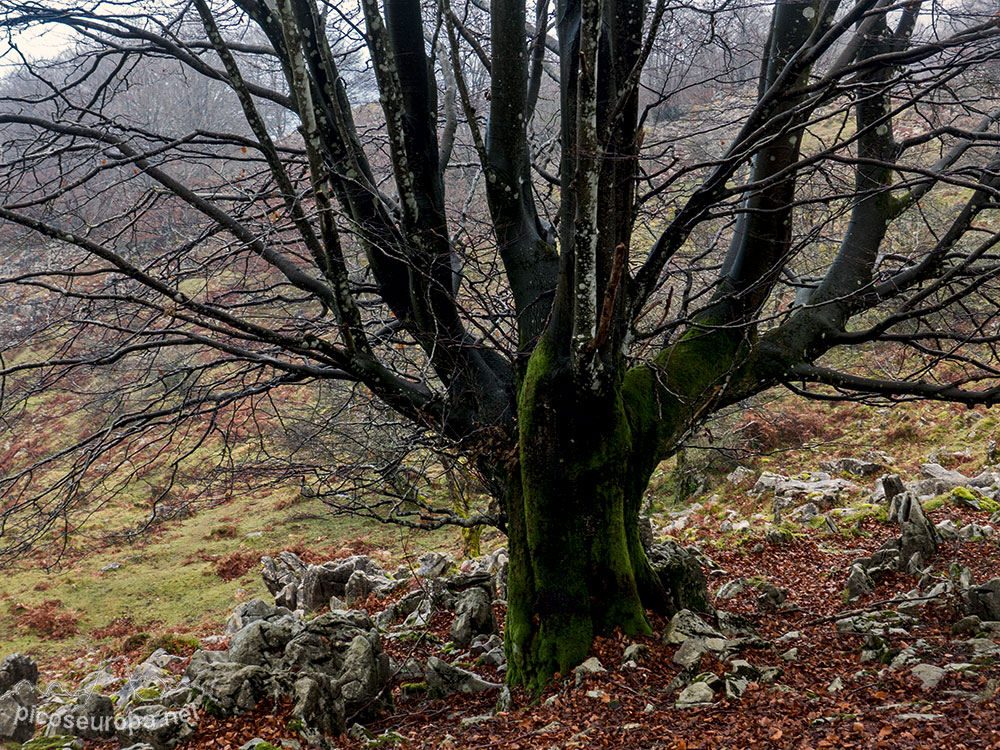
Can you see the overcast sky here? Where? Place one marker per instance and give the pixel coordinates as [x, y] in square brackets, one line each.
[35, 44]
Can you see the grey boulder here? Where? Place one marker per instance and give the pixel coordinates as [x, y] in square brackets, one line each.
[984, 601]
[91, 718]
[14, 669]
[17, 712]
[473, 616]
[156, 726]
[445, 679]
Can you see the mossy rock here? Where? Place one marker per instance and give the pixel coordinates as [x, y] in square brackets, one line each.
[681, 575]
[970, 498]
[212, 708]
[149, 693]
[936, 503]
[387, 738]
[409, 689]
[55, 742]
[173, 643]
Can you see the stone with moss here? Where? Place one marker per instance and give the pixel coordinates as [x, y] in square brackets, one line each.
[259, 744]
[54, 742]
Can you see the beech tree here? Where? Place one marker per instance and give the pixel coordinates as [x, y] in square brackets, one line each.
[730, 198]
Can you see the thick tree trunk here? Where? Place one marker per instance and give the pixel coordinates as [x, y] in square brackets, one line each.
[577, 565]
[573, 520]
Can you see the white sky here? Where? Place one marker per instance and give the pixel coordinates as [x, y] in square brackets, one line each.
[37, 43]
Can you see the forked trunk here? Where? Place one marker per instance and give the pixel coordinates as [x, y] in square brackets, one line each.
[577, 566]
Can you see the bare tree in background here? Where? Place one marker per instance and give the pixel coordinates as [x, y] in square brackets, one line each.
[559, 309]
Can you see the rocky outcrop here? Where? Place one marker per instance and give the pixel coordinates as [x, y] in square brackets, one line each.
[333, 666]
[938, 480]
[984, 601]
[296, 585]
[153, 725]
[473, 616]
[433, 565]
[918, 541]
[910, 552]
[14, 669]
[17, 715]
[819, 488]
[859, 467]
[91, 717]
[444, 679]
[680, 572]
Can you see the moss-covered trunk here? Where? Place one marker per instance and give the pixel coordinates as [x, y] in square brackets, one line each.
[573, 538]
[578, 568]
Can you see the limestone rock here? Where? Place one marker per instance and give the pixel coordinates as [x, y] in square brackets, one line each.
[333, 665]
[364, 673]
[695, 694]
[444, 679]
[690, 653]
[92, 718]
[262, 642]
[590, 666]
[771, 596]
[984, 601]
[251, 611]
[875, 623]
[731, 589]
[279, 572]
[17, 712]
[892, 486]
[680, 572]
[818, 488]
[947, 529]
[15, 668]
[739, 475]
[155, 726]
[859, 467]
[929, 675]
[433, 565]
[473, 616]
[859, 583]
[917, 532]
[940, 480]
[636, 652]
[738, 679]
[686, 624]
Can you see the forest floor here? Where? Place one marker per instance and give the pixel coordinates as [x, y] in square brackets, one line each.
[830, 693]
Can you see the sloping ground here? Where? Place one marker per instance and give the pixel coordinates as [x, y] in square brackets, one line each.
[185, 577]
[873, 707]
[838, 687]
[920, 685]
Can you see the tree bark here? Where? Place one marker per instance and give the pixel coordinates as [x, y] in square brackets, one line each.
[572, 533]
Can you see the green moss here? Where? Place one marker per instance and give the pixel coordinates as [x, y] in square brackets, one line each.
[148, 693]
[55, 742]
[936, 503]
[572, 570]
[212, 708]
[969, 497]
[296, 725]
[173, 643]
[964, 494]
[386, 738]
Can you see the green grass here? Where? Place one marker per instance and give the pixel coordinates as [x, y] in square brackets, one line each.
[170, 583]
